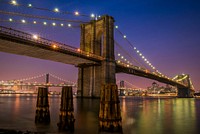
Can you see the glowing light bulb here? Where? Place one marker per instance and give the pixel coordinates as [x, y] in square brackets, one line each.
[76, 13]
[54, 24]
[23, 21]
[45, 23]
[69, 25]
[14, 2]
[29, 5]
[54, 46]
[35, 36]
[10, 19]
[116, 27]
[92, 15]
[56, 10]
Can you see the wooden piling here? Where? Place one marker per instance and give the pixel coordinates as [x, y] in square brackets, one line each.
[42, 106]
[110, 114]
[66, 116]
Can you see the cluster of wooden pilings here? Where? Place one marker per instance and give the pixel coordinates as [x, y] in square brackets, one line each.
[42, 107]
[66, 108]
[110, 114]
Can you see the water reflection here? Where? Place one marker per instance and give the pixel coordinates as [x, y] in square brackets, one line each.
[140, 115]
[161, 115]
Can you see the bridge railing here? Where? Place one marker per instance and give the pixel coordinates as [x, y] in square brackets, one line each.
[47, 42]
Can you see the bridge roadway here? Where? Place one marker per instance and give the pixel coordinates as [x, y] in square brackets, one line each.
[123, 68]
[21, 43]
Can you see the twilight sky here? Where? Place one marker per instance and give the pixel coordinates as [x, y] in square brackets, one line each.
[166, 32]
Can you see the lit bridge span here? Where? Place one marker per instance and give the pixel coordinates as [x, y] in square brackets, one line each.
[33, 46]
[95, 60]
[28, 82]
[21, 43]
[36, 84]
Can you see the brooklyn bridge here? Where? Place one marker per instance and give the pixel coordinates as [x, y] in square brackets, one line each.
[98, 61]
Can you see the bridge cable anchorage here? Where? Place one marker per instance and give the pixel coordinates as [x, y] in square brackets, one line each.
[137, 51]
[55, 10]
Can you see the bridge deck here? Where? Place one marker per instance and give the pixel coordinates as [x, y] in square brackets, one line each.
[146, 74]
[11, 42]
[17, 42]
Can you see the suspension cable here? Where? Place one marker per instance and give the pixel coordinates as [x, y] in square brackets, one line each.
[129, 54]
[43, 9]
[131, 45]
[39, 17]
[39, 22]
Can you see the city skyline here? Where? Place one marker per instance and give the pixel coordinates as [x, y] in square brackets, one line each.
[167, 33]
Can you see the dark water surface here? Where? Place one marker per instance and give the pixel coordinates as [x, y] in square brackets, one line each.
[140, 115]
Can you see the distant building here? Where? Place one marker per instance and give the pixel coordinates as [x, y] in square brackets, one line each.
[156, 89]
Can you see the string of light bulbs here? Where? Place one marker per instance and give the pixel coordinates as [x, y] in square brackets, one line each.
[137, 51]
[55, 10]
[44, 23]
[39, 17]
[120, 55]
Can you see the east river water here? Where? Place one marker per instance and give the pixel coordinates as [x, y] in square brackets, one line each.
[140, 115]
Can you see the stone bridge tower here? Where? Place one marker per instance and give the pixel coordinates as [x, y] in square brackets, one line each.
[187, 92]
[97, 37]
